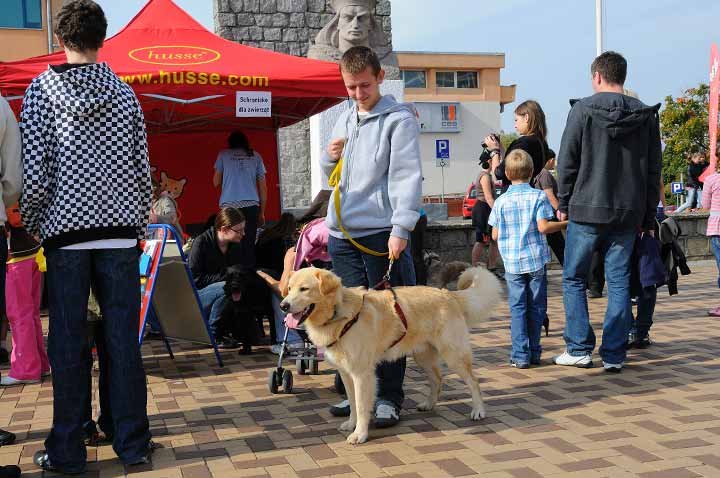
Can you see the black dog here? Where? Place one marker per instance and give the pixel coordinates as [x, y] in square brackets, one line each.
[248, 301]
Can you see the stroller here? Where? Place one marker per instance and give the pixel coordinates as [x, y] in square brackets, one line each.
[311, 250]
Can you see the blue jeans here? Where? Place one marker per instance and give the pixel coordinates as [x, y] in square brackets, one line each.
[715, 245]
[116, 282]
[617, 246]
[212, 301]
[645, 312]
[694, 199]
[356, 269]
[527, 297]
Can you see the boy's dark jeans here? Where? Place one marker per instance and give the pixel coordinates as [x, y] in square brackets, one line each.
[115, 277]
[356, 268]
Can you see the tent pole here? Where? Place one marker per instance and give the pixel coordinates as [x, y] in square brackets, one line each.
[277, 154]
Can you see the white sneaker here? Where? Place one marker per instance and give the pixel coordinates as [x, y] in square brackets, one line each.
[276, 349]
[582, 361]
[8, 381]
[613, 367]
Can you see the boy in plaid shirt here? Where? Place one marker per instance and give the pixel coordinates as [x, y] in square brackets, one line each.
[519, 219]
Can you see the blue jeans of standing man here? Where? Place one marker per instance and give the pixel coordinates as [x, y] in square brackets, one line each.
[617, 246]
[527, 297]
[116, 281]
[212, 301]
[356, 268]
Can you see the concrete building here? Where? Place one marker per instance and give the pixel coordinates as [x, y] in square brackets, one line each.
[459, 98]
[24, 28]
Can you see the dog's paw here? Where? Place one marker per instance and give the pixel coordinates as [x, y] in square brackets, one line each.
[347, 426]
[357, 438]
[478, 413]
[425, 406]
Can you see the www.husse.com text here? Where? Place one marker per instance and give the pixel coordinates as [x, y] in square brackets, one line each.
[195, 78]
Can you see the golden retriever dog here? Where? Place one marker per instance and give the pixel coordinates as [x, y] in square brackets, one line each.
[359, 328]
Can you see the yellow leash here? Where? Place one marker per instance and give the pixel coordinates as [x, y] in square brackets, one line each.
[334, 181]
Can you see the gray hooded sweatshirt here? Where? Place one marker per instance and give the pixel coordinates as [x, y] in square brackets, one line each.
[381, 181]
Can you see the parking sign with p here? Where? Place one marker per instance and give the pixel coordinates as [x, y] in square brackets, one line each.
[442, 152]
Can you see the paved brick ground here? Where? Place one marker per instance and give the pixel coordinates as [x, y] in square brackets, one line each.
[659, 418]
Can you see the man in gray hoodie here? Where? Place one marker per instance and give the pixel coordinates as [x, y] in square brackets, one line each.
[380, 186]
[609, 184]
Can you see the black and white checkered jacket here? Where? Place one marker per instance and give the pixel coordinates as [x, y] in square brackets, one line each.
[85, 158]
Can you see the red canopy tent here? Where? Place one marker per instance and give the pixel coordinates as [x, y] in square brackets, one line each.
[186, 79]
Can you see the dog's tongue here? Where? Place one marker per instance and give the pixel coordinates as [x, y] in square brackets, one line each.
[236, 296]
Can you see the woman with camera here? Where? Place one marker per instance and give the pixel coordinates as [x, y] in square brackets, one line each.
[530, 125]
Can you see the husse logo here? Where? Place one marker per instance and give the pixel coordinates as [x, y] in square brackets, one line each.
[174, 55]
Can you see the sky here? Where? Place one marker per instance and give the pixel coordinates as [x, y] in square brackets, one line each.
[548, 44]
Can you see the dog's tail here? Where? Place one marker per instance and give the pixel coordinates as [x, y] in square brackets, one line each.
[478, 293]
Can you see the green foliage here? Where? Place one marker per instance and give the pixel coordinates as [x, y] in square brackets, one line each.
[684, 130]
[507, 138]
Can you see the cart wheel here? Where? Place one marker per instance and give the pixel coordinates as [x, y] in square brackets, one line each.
[287, 381]
[274, 381]
[339, 385]
[300, 366]
[314, 366]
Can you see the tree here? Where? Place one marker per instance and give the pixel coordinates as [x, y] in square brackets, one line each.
[507, 138]
[684, 130]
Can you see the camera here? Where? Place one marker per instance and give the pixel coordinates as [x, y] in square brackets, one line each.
[485, 156]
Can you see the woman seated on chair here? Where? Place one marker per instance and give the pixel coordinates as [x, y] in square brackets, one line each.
[212, 253]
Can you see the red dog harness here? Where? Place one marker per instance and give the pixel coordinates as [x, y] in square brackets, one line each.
[384, 284]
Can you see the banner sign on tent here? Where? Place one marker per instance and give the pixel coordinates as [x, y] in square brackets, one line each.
[713, 113]
[253, 104]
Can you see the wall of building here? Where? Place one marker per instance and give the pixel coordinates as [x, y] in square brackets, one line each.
[477, 120]
[17, 44]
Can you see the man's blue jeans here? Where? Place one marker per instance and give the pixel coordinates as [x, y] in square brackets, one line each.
[356, 268]
[527, 297]
[116, 281]
[212, 301]
[617, 246]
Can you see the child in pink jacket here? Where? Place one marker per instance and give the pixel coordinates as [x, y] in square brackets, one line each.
[29, 361]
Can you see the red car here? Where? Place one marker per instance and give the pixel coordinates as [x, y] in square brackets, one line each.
[469, 201]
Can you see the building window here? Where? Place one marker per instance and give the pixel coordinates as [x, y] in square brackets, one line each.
[456, 79]
[467, 79]
[413, 78]
[21, 14]
[445, 79]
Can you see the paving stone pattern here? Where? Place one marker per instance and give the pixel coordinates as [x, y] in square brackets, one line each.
[659, 418]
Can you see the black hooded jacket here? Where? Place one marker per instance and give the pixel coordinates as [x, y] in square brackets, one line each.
[610, 162]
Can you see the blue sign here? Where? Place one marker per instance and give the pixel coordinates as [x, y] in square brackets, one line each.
[676, 188]
[442, 149]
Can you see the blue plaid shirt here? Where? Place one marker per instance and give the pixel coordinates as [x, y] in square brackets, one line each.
[515, 214]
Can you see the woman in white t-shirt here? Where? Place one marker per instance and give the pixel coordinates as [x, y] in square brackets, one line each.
[240, 173]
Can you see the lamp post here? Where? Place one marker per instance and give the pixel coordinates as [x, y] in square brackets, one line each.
[599, 27]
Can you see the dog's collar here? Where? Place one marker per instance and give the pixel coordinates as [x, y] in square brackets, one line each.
[348, 324]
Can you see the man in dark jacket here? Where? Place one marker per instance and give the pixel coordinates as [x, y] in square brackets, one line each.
[609, 175]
